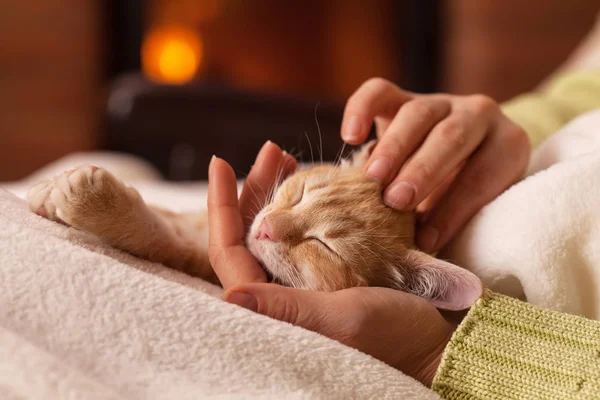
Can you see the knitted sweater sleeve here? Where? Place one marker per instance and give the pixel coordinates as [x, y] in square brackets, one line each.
[567, 96]
[508, 349]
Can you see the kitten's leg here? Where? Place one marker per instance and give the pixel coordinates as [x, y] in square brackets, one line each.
[93, 200]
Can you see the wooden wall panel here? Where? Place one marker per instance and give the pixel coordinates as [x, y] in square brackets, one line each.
[49, 81]
[503, 48]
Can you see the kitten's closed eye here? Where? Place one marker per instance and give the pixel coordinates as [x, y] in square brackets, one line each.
[320, 242]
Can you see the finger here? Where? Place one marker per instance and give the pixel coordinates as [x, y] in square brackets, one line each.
[433, 199]
[374, 98]
[496, 165]
[450, 143]
[230, 259]
[270, 165]
[290, 164]
[405, 133]
[309, 309]
[223, 205]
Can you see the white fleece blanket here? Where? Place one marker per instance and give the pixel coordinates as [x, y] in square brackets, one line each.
[540, 240]
[80, 320]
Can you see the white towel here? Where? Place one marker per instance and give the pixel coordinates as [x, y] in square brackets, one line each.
[540, 240]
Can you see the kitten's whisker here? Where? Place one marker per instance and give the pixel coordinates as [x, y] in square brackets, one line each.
[250, 185]
[382, 247]
[338, 157]
[351, 154]
[312, 156]
[256, 197]
[377, 256]
[278, 180]
[292, 279]
[257, 208]
[274, 187]
[320, 136]
[388, 236]
[355, 250]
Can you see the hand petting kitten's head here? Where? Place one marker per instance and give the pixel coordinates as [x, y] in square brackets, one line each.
[327, 228]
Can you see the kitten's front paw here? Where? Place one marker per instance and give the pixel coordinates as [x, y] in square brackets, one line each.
[38, 198]
[81, 197]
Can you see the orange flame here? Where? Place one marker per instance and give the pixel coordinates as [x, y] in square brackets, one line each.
[172, 54]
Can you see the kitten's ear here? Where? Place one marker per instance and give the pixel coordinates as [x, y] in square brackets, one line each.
[360, 156]
[445, 285]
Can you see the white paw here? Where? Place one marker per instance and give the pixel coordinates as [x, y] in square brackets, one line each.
[80, 195]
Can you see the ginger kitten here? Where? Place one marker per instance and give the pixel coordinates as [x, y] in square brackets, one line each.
[324, 228]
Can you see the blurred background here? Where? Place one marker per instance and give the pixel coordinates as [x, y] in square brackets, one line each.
[175, 81]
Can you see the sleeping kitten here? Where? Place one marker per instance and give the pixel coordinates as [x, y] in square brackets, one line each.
[325, 228]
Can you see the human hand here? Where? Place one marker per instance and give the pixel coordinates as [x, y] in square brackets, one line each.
[446, 156]
[400, 329]
[229, 218]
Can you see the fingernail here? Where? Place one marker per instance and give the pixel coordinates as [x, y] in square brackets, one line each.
[424, 218]
[261, 153]
[243, 300]
[427, 239]
[400, 195]
[288, 158]
[210, 164]
[380, 169]
[352, 129]
[264, 146]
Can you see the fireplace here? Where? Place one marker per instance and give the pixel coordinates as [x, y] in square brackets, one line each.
[194, 77]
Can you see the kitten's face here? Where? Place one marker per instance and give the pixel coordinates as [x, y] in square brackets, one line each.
[327, 228]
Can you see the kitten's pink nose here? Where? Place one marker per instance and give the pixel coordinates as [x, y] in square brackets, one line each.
[265, 231]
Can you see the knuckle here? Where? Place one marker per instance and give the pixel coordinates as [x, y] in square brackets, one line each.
[372, 85]
[390, 146]
[454, 132]
[482, 104]
[517, 148]
[369, 95]
[421, 109]
[377, 82]
[216, 255]
[283, 309]
[423, 171]
[516, 139]
[349, 331]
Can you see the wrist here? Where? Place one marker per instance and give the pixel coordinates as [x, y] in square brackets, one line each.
[432, 362]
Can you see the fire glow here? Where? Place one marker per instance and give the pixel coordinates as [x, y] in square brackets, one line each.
[172, 55]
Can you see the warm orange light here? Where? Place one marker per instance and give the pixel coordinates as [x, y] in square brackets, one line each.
[172, 54]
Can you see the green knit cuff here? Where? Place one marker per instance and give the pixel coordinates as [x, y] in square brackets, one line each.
[508, 349]
[567, 96]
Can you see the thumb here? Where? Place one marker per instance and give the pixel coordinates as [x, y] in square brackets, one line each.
[304, 308]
